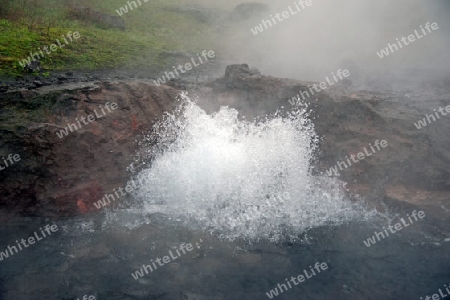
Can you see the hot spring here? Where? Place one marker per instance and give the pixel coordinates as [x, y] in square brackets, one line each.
[237, 178]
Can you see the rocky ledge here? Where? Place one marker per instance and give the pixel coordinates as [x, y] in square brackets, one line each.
[64, 176]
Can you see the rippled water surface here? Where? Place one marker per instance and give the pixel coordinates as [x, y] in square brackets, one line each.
[243, 194]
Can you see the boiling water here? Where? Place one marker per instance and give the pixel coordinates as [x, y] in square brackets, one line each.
[240, 179]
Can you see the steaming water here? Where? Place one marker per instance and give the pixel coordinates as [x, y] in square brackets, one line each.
[240, 179]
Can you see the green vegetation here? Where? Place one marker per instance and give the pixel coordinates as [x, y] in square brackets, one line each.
[151, 30]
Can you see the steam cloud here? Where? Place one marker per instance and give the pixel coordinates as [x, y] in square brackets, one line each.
[341, 34]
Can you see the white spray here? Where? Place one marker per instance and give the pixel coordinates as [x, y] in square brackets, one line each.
[240, 179]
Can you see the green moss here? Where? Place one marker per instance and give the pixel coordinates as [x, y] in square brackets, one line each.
[151, 30]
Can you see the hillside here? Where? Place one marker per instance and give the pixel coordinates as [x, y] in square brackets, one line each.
[153, 32]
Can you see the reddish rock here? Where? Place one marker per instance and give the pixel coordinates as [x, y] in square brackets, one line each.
[65, 176]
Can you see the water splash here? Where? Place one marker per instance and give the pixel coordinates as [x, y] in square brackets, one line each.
[239, 179]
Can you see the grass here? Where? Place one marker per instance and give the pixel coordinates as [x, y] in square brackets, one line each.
[150, 31]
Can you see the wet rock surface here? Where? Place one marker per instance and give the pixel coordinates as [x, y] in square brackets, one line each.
[94, 159]
[348, 120]
[95, 252]
[62, 176]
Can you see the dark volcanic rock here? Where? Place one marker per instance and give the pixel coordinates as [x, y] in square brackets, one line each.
[63, 176]
[34, 66]
[413, 167]
[38, 83]
[235, 74]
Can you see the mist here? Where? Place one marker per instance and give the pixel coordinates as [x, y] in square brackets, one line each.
[329, 35]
